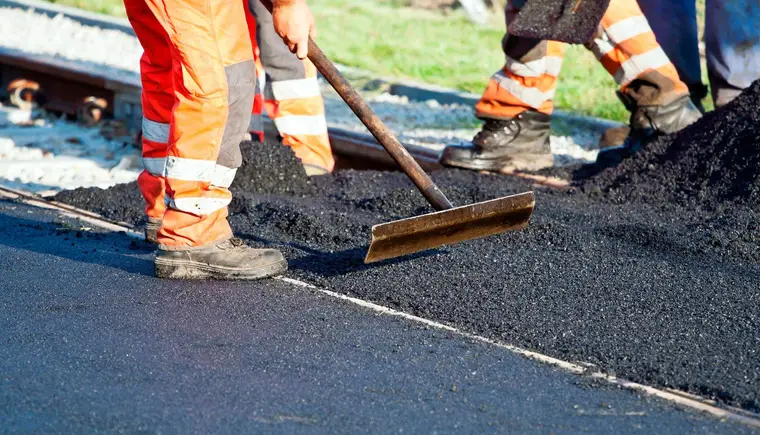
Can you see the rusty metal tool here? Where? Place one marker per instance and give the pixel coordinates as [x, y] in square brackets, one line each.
[446, 226]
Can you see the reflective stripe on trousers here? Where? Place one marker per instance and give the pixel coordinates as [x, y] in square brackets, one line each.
[732, 41]
[624, 45]
[191, 132]
[291, 95]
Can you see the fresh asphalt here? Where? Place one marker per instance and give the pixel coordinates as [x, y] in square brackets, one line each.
[92, 342]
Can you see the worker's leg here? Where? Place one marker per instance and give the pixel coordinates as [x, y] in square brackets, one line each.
[650, 88]
[732, 44]
[674, 23]
[256, 126]
[527, 81]
[213, 76]
[293, 98]
[515, 108]
[157, 102]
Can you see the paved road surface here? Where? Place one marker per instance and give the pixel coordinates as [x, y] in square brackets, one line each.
[92, 342]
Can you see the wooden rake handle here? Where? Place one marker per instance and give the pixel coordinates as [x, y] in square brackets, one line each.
[411, 168]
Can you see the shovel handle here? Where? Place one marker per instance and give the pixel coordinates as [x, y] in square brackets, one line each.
[411, 168]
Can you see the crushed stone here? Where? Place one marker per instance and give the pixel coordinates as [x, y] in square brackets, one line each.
[41, 153]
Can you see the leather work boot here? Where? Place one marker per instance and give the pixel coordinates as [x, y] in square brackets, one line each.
[226, 260]
[314, 170]
[151, 230]
[520, 143]
[646, 122]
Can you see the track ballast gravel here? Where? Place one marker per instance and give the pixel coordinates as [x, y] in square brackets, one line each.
[115, 55]
[660, 292]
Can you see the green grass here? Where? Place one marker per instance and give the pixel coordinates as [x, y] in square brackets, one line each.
[108, 7]
[388, 39]
[447, 51]
[423, 45]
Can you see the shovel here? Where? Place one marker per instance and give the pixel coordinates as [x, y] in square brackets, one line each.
[571, 21]
[448, 224]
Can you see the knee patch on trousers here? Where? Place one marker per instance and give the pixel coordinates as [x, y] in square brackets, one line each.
[241, 83]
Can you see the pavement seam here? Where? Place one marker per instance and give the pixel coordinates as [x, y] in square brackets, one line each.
[677, 397]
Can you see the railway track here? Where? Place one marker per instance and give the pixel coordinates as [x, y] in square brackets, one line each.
[95, 94]
[67, 87]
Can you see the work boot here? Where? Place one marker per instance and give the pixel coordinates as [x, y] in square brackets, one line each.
[314, 170]
[228, 260]
[519, 143]
[646, 122]
[698, 92]
[151, 230]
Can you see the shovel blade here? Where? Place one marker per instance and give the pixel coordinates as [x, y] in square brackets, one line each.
[407, 236]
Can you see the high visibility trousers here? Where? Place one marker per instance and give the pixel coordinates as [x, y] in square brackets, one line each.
[289, 93]
[624, 45]
[198, 82]
[732, 42]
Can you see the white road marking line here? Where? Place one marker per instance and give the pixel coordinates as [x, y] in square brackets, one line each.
[684, 399]
[372, 306]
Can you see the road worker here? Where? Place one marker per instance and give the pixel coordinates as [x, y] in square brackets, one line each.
[732, 43]
[198, 79]
[517, 103]
[732, 48]
[287, 89]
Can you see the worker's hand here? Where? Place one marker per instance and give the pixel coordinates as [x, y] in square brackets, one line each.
[294, 23]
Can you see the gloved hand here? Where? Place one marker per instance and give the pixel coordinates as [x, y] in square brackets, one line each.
[295, 24]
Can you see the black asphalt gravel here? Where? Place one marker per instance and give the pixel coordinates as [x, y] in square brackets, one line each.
[91, 342]
[712, 162]
[558, 20]
[655, 290]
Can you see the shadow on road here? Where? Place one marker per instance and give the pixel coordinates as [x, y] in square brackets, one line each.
[329, 264]
[66, 238]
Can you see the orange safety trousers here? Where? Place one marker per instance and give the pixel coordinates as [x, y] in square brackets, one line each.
[288, 91]
[625, 45]
[198, 79]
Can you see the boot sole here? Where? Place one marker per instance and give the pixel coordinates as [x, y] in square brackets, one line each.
[516, 163]
[192, 270]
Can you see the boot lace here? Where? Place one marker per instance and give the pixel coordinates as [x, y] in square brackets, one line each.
[494, 128]
[233, 244]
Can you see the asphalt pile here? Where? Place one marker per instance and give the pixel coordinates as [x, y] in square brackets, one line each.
[653, 290]
[266, 170]
[715, 161]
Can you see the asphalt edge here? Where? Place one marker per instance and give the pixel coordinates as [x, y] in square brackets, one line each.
[676, 397]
